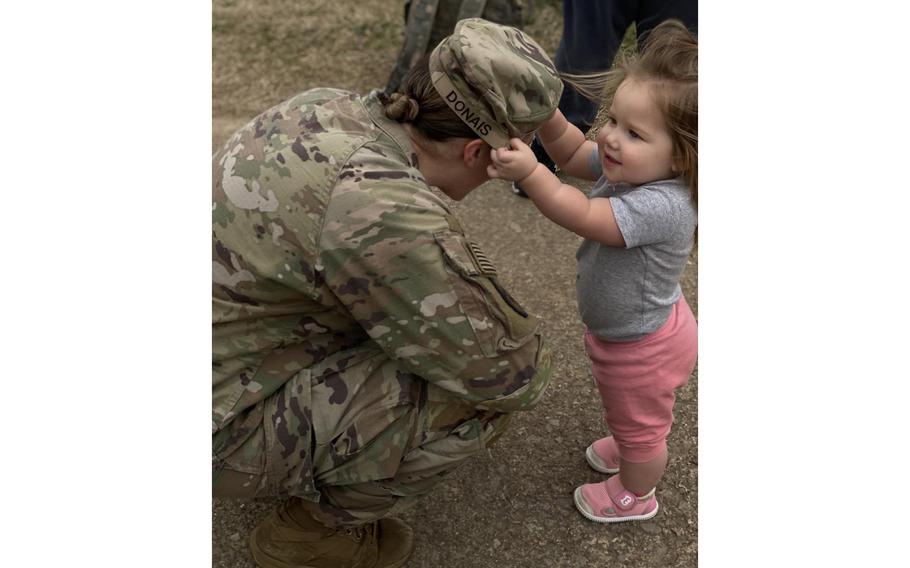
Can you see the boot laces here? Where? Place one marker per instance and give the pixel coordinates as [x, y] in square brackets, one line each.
[368, 532]
[356, 532]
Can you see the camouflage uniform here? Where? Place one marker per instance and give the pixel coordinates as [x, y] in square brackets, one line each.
[362, 346]
[430, 21]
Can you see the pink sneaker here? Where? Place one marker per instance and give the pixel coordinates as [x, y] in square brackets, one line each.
[609, 502]
[603, 455]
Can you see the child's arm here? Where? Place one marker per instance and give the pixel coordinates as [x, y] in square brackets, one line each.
[563, 204]
[567, 146]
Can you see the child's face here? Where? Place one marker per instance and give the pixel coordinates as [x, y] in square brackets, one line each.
[635, 145]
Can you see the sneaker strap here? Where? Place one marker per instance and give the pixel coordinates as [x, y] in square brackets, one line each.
[624, 500]
[622, 497]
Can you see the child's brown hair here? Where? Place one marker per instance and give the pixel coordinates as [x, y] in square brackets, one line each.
[669, 62]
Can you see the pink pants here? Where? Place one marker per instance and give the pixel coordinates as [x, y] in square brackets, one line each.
[637, 382]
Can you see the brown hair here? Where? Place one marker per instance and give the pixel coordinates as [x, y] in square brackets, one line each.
[669, 62]
[419, 104]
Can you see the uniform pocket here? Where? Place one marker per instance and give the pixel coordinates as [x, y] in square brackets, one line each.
[241, 446]
[441, 455]
[271, 443]
[364, 416]
[499, 322]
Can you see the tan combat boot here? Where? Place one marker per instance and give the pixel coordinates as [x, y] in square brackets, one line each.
[291, 538]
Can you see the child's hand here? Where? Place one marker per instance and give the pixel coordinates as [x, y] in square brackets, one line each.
[514, 163]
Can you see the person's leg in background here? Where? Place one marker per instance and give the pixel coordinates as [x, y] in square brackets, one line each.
[652, 12]
[592, 34]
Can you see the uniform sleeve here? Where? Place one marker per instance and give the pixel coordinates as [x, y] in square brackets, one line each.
[646, 215]
[426, 295]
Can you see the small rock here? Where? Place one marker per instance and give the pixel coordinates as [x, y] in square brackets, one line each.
[235, 537]
[496, 543]
[650, 528]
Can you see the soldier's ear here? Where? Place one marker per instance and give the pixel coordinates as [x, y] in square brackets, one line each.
[474, 151]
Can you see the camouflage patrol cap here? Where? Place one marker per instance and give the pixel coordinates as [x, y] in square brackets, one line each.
[497, 79]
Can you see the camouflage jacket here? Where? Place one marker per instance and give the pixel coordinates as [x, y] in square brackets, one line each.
[328, 243]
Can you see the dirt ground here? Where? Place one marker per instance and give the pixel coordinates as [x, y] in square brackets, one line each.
[513, 506]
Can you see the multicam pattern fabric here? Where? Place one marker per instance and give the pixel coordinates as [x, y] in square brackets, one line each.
[429, 21]
[496, 78]
[357, 334]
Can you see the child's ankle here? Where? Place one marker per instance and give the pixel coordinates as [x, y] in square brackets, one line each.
[638, 491]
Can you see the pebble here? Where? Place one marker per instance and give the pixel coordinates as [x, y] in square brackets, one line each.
[650, 528]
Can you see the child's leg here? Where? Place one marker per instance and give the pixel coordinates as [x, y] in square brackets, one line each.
[637, 382]
[640, 478]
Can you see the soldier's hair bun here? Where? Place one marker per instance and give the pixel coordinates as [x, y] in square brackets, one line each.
[402, 108]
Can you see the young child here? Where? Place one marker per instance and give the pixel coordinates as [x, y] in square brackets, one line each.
[638, 226]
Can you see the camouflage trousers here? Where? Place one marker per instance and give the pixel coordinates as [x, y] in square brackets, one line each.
[354, 434]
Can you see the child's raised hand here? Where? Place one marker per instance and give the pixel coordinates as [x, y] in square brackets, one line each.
[513, 163]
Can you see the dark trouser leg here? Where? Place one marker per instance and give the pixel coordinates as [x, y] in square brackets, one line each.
[592, 33]
[653, 12]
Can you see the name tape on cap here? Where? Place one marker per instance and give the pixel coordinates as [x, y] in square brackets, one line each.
[470, 117]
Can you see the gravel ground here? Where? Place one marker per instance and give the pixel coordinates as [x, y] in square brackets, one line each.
[513, 506]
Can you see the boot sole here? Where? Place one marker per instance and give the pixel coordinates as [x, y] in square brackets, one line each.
[579, 504]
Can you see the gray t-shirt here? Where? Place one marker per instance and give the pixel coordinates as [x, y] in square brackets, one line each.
[626, 293]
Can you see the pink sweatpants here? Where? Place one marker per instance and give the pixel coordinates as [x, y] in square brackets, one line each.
[637, 382]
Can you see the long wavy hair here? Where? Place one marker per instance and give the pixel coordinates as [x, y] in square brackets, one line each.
[669, 63]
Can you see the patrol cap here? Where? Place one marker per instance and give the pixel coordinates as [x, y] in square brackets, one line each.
[497, 79]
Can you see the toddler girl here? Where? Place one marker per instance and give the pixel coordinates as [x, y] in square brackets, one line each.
[638, 225]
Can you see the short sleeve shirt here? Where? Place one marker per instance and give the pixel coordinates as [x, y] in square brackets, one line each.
[626, 293]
